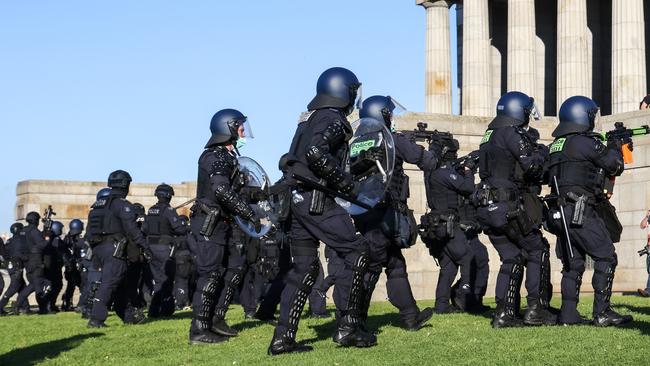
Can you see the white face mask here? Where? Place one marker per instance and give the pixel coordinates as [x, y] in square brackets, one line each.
[241, 142]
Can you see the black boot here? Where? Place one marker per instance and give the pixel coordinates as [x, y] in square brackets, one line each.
[349, 335]
[478, 306]
[220, 326]
[284, 344]
[536, 314]
[505, 318]
[462, 298]
[200, 334]
[419, 321]
[610, 317]
[92, 323]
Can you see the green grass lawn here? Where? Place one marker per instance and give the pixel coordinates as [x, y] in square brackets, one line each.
[63, 339]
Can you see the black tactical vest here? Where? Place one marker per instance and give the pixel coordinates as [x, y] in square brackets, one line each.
[441, 199]
[18, 247]
[398, 187]
[224, 161]
[575, 175]
[155, 222]
[101, 220]
[497, 162]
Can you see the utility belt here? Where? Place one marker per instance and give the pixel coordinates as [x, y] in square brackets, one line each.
[317, 203]
[485, 195]
[160, 239]
[212, 217]
[439, 226]
[119, 242]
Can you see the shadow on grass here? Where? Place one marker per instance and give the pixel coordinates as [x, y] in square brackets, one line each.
[34, 354]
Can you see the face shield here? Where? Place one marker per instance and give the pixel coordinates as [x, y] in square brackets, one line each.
[356, 98]
[594, 117]
[534, 111]
[398, 111]
[244, 132]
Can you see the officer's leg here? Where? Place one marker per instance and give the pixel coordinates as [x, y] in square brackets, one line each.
[232, 279]
[378, 246]
[399, 291]
[247, 297]
[181, 281]
[448, 270]
[534, 248]
[508, 282]
[317, 297]
[481, 271]
[461, 254]
[16, 277]
[160, 253]
[595, 239]
[300, 280]
[113, 271]
[208, 259]
[271, 299]
[571, 282]
[56, 279]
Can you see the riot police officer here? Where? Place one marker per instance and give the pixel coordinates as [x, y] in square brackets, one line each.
[90, 272]
[16, 255]
[53, 261]
[216, 200]
[161, 226]
[317, 153]
[111, 224]
[443, 236]
[73, 244]
[580, 163]
[183, 259]
[35, 266]
[390, 227]
[508, 160]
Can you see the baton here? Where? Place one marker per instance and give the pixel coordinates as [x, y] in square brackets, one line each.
[315, 185]
[564, 225]
[184, 203]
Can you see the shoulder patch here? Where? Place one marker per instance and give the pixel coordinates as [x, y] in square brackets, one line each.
[453, 176]
[557, 145]
[486, 136]
[304, 116]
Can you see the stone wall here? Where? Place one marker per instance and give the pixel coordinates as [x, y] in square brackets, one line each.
[631, 197]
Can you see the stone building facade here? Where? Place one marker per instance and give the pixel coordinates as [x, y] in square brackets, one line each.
[549, 49]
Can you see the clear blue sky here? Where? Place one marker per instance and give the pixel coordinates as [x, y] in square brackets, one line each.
[87, 87]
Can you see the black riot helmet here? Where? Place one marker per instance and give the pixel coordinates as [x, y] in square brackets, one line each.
[16, 228]
[164, 191]
[57, 228]
[138, 209]
[338, 88]
[444, 145]
[224, 127]
[283, 164]
[514, 109]
[382, 108]
[103, 193]
[577, 114]
[33, 218]
[119, 179]
[75, 227]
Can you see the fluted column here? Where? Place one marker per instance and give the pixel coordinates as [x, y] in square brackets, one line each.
[437, 57]
[573, 64]
[628, 55]
[476, 59]
[521, 46]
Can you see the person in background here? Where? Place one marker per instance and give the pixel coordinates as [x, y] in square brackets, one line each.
[644, 225]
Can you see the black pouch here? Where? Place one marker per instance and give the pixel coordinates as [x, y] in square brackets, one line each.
[607, 212]
[120, 248]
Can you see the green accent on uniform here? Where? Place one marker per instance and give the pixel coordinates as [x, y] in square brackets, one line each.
[557, 145]
[360, 146]
[486, 137]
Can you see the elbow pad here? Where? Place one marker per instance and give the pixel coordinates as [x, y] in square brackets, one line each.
[324, 167]
[233, 202]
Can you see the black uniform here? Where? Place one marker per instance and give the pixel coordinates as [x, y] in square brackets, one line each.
[35, 269]
[72, 248]
[445, 239]
[581, 163]
[184, 270]
[508, 160]
[161, 226]
[318, 151]
[111, 224]
[53, 261]
[218, 180]
[385, 249]
[16, 255]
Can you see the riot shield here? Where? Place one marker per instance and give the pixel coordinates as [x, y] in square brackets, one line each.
[371, 162]
[255, 177]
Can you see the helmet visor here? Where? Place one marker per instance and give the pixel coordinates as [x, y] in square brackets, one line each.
[244, 131]
[534, 111]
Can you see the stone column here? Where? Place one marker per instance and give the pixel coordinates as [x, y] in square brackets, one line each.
[628, 55]
[521, 46]
[476, 59]
[573, 64]
[437, 57]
